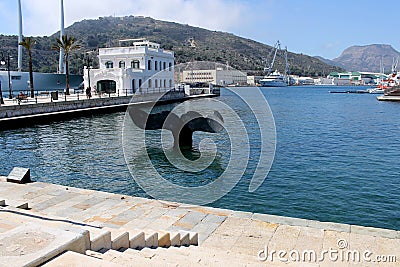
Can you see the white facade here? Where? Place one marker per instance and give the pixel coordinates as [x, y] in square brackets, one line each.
[254, 80]
[217, 76]
[142, 67]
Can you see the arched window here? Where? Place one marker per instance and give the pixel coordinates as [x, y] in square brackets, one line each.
[170, 66]
[165, 83]
[122, 64]
[170, 84]
[149, 82]
[135, 64]
[109, 65]
[140, 83]
[156, 65]
[156, 84]
[164, 65]
[149, 64]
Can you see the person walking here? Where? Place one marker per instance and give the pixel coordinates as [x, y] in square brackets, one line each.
[88, 93]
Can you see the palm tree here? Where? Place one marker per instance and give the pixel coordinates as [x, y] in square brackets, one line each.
[28, 43]
[67, 44]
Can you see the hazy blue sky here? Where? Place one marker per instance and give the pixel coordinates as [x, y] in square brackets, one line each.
[312, 27]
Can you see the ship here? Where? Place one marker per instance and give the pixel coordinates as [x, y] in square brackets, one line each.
[276, 79]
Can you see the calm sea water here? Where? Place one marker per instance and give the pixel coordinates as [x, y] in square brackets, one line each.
[337, 157]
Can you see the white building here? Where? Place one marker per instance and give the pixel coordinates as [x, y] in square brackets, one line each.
[141, 67]
[216, 76]
[254, 80]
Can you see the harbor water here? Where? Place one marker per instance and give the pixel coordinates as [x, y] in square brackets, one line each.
[337, 157]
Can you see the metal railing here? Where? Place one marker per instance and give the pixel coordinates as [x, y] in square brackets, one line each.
[142, 94]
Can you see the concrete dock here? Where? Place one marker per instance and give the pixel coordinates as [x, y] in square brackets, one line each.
[41, 110]
[388, 98]
[56, 225]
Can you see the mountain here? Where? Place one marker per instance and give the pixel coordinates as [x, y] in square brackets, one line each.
[189, 44]
[367, 58]
[328, 61]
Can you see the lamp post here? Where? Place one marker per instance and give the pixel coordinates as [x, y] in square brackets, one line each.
[6, 60]
[89, 61]
[1, 95]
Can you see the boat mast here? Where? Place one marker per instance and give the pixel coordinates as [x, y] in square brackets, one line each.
[287, 69]
[19, 36]
[62, 30]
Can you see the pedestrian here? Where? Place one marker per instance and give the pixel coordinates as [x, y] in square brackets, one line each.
[88, 93]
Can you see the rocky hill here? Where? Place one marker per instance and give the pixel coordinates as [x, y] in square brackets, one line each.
[189, 44]
[367, 58]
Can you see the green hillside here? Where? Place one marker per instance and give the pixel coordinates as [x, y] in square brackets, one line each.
[238, 52]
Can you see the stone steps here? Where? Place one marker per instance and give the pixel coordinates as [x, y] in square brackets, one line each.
[108, 238]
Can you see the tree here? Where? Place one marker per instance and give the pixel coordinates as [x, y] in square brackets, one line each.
[28, 44]
[67, 44]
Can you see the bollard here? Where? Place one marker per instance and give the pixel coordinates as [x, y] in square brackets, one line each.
[78, 96]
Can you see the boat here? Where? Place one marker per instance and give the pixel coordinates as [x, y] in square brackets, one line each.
[276, 79]
[393, 91]
[19, 82]
[385, 83]
[376, 90]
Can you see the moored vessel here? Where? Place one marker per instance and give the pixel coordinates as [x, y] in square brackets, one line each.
[276, 79]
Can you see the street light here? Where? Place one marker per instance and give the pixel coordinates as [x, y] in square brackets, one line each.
[89, 60]
[4, 62]
[1, 95]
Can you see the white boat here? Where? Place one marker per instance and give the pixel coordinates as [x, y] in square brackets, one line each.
[376, 90]
[275, 79]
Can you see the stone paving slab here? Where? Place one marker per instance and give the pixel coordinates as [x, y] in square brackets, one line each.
[31, 244]
[240, 235]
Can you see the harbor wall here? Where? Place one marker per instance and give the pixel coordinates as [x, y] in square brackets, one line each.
[51, 107]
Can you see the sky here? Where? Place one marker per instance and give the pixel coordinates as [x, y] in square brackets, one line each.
[311, 27]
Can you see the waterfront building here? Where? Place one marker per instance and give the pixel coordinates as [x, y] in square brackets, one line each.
[218, 76]
[140, 67]
[353, 78]
[303, 80]
[253, 80]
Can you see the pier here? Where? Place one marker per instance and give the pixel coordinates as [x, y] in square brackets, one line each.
[388, 98]
[55, 225]
[39, 110]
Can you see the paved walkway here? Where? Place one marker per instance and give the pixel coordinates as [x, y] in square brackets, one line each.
[46, 98]
[225, 236]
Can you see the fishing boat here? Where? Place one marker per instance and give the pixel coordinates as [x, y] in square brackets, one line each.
[276, 79]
